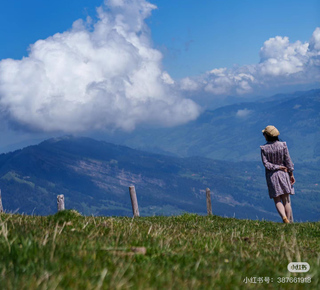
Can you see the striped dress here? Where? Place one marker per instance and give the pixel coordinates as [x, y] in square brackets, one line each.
[274, 155]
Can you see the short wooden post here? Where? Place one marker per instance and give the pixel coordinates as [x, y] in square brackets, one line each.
[209, 206]
[1, 207]
[134, 202]
[60, 202]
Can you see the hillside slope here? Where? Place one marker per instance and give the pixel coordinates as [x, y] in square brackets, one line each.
[94, 176]
[68, 251]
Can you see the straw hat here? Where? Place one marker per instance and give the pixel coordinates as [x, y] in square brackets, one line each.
[271, 131]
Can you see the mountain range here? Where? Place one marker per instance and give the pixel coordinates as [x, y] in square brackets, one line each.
[233, 132]
[95, 175]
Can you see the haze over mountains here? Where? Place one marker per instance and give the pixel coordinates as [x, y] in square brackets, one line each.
[234, 132]
[231, 132]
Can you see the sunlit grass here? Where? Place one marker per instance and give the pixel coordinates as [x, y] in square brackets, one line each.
[70, 251]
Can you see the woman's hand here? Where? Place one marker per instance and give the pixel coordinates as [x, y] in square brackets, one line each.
[283, 168]
[292, 180]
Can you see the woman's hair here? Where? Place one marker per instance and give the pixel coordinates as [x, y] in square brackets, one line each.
[271, 138]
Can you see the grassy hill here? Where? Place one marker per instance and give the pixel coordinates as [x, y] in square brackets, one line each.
[69, 251]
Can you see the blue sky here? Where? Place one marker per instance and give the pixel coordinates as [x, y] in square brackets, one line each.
[133, 63]
[224, 33]
[194, 36]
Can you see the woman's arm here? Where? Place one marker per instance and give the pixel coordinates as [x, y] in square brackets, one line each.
[289, 164]
[287, 160]
[268, 165]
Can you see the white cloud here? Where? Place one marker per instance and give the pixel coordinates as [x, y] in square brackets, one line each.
[281, 64]
[243, 113]
[220, 72]
[315, 41]
[296, 107]
[280, 57]
[188, 84]
[223, 81]
[167, 78]
[94, 76]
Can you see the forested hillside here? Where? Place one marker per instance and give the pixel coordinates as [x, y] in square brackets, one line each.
[94, 176]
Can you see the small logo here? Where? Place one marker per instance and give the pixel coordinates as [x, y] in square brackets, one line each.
[298, 267]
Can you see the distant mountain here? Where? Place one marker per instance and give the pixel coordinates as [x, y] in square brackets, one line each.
[94, 176]
[234, 132]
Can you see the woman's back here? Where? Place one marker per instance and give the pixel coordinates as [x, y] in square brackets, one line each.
[276, 154]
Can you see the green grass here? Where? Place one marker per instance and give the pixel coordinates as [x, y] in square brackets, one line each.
[70, 251]
[14, 176]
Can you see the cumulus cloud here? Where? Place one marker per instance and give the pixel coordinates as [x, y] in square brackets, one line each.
[280, 57]
[188, 84]
[102, 74]
[282, 63]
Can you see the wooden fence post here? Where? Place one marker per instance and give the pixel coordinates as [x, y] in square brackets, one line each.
[1, 207]
[60, 202]
[134, 202]
[209, 206]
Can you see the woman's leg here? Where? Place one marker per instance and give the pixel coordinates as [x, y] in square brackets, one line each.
[279, 206]
[287, 206]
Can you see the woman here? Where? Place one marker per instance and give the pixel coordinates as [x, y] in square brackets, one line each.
[279, 172]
